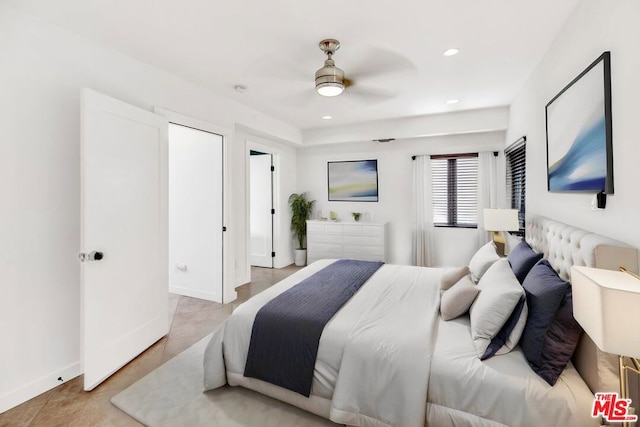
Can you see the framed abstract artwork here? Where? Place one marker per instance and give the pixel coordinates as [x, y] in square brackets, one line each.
[353, 181]
[579, 137]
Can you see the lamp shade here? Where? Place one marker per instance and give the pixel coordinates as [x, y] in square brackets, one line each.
[501, 220]
[606, 304]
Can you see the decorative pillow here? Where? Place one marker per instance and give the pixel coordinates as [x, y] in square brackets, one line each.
[545, 291]
[452, 276]
[560, 342]
[510, 242]
[522, 258]
[510, 333]
[499, 295]
[482, 260]
[457, 300]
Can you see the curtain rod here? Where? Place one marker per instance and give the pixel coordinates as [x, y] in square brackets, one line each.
[413, 157]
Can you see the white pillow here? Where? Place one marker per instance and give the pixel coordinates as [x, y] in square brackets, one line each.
[452, 276]
[500, 292]
[482, 260]
[457, 299]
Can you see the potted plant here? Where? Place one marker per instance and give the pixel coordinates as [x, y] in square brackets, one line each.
[301, 208]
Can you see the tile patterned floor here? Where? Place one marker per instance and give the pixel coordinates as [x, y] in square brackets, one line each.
[191, 319]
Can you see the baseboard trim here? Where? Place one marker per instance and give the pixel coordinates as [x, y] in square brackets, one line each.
[192, 293]
[35, 388]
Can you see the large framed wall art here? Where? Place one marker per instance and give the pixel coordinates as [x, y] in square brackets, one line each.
[579, 146]
[353, 181]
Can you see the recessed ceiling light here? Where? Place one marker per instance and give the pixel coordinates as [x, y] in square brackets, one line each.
[327, 117]
[452, 101]
[450, 52]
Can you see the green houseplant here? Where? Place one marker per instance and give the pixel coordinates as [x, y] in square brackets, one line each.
[301, 208]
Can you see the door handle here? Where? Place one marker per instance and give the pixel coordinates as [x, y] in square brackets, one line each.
[91, 256]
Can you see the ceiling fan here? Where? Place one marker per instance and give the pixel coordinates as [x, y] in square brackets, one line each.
[373, 75]
[330, 79]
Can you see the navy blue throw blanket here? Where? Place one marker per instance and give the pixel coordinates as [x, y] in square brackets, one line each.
[286, 331]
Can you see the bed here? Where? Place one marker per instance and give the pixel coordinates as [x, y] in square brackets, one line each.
[388, 358]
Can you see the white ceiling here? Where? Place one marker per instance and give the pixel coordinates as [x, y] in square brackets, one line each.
[392, 50]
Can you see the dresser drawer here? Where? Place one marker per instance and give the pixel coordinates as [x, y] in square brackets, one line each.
[325, 238]
[364, 240]
[364, 230]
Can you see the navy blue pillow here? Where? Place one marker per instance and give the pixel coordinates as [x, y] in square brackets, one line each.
[499, 340]
[522, 258]
[545, 291]
[560, 341]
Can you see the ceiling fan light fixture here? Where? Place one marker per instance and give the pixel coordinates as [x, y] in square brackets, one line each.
[329, 79]
[329, 89]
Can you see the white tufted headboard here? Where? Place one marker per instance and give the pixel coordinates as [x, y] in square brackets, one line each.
[564, 246]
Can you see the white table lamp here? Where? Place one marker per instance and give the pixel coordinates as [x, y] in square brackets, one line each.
[606, 304]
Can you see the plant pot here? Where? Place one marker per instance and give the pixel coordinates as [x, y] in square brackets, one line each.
[301, 257]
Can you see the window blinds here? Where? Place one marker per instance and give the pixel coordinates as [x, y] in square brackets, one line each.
[454, 183]
[516, 156]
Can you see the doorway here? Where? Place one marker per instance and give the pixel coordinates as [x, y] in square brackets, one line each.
[261, 209]
[195, 213]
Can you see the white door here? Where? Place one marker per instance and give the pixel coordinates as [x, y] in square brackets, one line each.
[195, 213]
[124, 295]
[260, 206]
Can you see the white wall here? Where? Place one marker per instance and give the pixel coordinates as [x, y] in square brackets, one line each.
[43, 69]
[455, 247]
[195, 213]
[594, 27]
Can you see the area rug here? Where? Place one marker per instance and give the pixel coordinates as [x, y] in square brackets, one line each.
[172, 395]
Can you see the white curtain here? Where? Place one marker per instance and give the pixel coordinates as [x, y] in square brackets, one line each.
[423, 239]
[487, 191]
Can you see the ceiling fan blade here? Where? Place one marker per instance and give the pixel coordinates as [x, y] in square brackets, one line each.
[379, 63]
[370, 94]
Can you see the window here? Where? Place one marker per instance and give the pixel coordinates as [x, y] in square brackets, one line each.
[454, 181]
[516, 155]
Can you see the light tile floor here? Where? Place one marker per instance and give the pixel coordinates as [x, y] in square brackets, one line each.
[191, 319]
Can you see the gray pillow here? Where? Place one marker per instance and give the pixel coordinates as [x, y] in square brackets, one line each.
[499, 294]
[457, 300]
[482, 260]
[451, 276]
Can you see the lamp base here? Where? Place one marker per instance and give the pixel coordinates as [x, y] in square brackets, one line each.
[623, 368]
[499, 241]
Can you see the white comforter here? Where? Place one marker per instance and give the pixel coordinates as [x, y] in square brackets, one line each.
[375, 354]
[501, 391]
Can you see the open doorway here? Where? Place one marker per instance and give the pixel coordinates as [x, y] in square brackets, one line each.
[196, 212]
[261, 209]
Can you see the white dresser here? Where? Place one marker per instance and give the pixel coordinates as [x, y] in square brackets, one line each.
[354, 240]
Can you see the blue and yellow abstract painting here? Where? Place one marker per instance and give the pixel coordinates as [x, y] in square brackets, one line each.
[353, 181]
